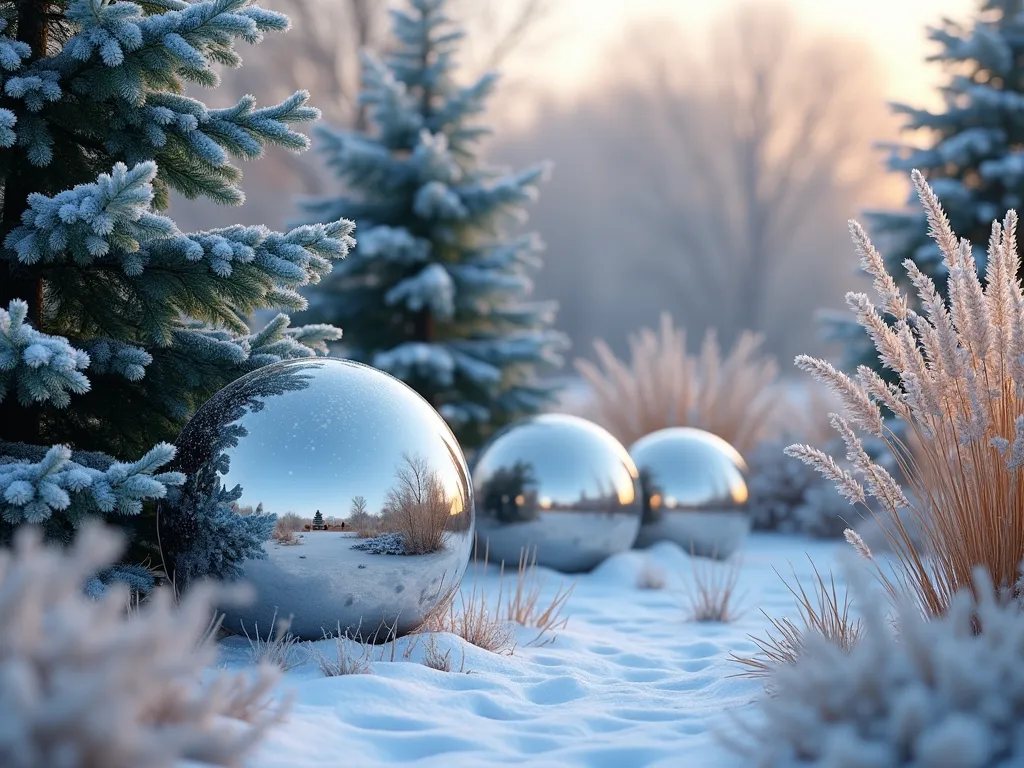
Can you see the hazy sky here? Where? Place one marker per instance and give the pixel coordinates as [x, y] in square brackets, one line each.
[895, 29]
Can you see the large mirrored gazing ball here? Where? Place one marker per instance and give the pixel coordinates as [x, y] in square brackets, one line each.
[371, 492]
[694, 491]
[557, 486]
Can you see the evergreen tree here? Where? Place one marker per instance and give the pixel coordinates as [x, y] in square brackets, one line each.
[114, 325]
[975, 159]
[436, 292]
[318, 520]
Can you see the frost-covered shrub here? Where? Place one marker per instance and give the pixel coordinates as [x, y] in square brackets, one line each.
[779, 486]
[86, 684]
[788, 496]
[924, 693]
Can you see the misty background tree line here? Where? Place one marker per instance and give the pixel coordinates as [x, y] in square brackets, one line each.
[705, 172]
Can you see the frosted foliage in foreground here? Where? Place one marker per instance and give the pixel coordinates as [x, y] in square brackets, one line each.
[960, 365]
[935, 694]
[85, 684]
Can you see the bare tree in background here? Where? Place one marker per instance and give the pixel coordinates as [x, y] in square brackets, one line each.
[322, 52]
[760, 140]
[714, 187]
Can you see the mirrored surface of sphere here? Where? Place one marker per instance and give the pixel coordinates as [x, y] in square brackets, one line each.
[694, 491]
[558, 485]
[372, 497]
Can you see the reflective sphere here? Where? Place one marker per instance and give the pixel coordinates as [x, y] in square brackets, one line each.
[694, 491]
[557, 484]
[373, 498]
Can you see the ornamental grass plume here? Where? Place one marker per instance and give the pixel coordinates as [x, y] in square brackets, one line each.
[662, 385]
[86, 684]
[960, 367]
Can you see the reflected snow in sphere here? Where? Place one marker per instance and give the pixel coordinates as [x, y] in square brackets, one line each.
[694, 489]
[371, 491]
[558, 485]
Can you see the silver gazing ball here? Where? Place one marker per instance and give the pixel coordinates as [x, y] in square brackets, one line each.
[694, 489]
[558, 486]
[371, 491]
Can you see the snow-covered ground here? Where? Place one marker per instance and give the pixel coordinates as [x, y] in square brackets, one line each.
[629, 682]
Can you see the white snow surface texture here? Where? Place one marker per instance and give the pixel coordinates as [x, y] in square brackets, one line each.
[629, 682]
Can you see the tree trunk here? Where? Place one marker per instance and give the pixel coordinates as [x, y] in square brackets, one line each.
[20, 424]
[424, 333]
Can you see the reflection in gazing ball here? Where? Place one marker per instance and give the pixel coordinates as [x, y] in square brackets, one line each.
[559, 484]
[694, 491]
[372, 495]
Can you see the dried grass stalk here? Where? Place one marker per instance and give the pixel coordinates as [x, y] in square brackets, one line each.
[279, 648]
[826, 615]
[960, 363]
[662, 386]
[442, 662]
[494, 631]
[473, 621]
[713, 597]
[345, 661]
[523, 605]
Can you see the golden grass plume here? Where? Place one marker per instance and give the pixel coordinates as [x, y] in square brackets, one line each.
[662, 385]
[960, 367]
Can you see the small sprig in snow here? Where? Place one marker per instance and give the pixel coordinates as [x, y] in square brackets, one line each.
[961, 397]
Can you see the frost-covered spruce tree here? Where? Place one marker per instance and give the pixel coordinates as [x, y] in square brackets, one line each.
[114, 325]
[974, 160]
[436, 292]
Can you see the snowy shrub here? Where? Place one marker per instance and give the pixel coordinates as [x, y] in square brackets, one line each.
[789, 496]
[960, 364]
[286, 528]
[935, 692]
[86, 684]
[385, 544]
[662, 385]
